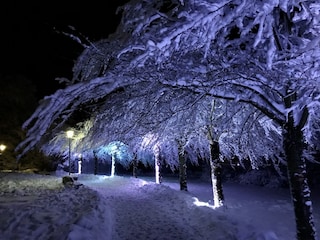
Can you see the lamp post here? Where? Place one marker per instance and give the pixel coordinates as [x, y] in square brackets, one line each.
[69, 136]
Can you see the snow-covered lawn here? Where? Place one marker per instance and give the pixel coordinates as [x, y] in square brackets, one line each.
[99, 207]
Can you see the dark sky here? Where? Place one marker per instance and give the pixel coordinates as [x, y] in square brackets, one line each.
[32, 46]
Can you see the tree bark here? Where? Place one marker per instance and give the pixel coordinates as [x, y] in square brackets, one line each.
[182, 170]
[216, 174]
[293, 142]
[95, 171]
[113, 164]
[135, 166]
[157, 166]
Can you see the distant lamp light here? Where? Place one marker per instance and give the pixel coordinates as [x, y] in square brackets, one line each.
[2, 147]
[70, 134]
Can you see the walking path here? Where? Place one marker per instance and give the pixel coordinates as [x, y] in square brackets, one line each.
[149, 212]
[152, 212]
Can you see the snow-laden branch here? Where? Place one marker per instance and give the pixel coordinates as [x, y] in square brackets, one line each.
[58, 107]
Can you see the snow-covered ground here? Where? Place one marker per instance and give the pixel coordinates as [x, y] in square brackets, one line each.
[99, 207]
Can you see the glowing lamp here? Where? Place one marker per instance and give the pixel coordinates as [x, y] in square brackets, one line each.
[2, 147]
[70, 133]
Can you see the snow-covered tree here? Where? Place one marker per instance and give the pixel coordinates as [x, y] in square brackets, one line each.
[259, 52]
[173, 118]
[225, 130]
[118, 151]
[263, 53]
[158, 111]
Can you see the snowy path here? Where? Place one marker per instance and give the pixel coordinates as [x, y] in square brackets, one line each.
[139, 215]
[124, 208]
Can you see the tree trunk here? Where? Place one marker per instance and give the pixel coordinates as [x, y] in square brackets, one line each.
[157, 166]
[296, 166]
[135, 166]
[182, 170]
[80, 164]
[95, 171]
[113, 164]
[216, 174]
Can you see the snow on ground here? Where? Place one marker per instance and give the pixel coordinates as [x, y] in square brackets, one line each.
[123, 208]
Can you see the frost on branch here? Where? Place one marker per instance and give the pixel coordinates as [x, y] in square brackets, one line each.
[257, 27]
[152, 116]
[54, 110]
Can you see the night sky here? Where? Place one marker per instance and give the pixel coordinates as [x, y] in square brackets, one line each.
[32, 46]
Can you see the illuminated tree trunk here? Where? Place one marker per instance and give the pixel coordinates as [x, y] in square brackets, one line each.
[216, 174]
[296, 166]
[113, 164]
[157, 166]
[80, 165]
[182, 168]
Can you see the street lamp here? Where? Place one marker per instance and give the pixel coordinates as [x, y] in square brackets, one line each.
[2, 148]
[70, 134]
